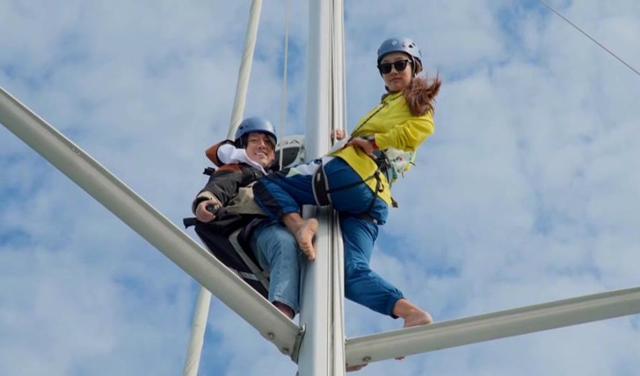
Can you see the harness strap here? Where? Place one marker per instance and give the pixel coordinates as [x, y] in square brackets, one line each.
[263, 277]
[322, 193]
[320, 186]
[188, 222]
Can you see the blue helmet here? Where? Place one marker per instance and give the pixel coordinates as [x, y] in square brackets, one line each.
[254, 125]
[405, 45]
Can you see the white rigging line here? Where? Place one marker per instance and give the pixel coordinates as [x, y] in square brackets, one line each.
[285, 96]
[590, 37]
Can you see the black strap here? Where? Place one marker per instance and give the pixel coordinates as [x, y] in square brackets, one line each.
[188, 222]
[320, 186]
[322, 193]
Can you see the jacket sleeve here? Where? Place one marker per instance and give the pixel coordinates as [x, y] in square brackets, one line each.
[223, 185]
[213, 153]
[407, 135]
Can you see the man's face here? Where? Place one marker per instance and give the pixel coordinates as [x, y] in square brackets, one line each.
[260, 149]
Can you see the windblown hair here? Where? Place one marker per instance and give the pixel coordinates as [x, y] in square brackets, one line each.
[421, 94]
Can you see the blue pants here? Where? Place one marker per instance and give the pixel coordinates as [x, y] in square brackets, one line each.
[277, 252]
[278, 196]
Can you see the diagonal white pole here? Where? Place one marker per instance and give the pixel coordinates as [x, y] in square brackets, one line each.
[322, 348]
[203, 303]
[122, 201]
[198, 330]
[245, 67]
[493, 326]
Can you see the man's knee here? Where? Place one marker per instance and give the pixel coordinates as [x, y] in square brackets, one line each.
[279, 241]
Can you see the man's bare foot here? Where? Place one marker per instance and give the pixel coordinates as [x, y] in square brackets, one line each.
[305, 235]
[356, 368]
[288, 311]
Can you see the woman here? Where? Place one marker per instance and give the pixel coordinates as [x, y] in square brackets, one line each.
[358, 178]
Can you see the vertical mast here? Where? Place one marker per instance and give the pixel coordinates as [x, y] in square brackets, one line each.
[322, 349]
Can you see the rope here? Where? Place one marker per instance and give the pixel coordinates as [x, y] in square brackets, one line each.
[284, 101]
[590, 37]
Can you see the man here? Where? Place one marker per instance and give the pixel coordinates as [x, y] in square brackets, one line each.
[251, 156]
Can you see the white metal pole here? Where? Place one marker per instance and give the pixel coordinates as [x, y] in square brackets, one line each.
[203, 303]
[322, 347]
[198, 330]
[245, 67]
[338, 110]
[337, 286]
[148, 222]
[493, 326]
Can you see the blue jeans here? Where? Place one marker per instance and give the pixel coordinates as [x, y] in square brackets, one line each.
[277, 252]
[363, 285]
[278, 196]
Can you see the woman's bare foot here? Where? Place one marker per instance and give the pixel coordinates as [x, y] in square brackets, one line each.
[412, 315]
[417, 318]
[304, 236]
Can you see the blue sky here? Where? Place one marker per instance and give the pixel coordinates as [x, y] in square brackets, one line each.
[527, 192]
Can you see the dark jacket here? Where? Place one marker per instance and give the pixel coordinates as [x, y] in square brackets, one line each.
[225, 183]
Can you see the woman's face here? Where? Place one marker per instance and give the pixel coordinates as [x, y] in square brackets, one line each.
[396, 80]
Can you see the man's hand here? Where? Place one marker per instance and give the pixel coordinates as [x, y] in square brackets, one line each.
[203, 214]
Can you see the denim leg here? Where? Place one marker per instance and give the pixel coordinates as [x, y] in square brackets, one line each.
[278, 195]
[357, 199]
[363, 285]
[277, 252]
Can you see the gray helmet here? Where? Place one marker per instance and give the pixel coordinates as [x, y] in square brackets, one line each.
[254, 125]
[405, 45]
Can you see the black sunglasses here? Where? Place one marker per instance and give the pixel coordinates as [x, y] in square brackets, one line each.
[400, 65]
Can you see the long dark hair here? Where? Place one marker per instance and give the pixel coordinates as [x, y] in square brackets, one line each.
[421, 93]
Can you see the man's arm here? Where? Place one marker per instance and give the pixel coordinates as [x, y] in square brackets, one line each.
[214, 153]
[220, 189]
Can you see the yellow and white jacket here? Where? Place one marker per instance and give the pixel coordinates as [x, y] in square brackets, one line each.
[392, 126]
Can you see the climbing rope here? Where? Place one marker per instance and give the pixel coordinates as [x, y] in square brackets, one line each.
[590, 37]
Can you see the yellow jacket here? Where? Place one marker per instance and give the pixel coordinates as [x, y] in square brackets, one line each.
[393, 126]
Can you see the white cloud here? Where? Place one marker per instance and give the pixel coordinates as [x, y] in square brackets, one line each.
[525, 194]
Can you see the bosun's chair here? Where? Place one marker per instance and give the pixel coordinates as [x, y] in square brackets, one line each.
[227, 237]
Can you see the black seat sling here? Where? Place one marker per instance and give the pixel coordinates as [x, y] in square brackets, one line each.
[227, 239]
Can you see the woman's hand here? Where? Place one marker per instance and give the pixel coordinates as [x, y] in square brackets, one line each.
[203, 214]
[338, 134]
[364, 145]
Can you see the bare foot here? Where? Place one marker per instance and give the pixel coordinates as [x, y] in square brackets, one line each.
[356, 368]
[304, 236]
[412, 315]
[285, 309]
[416, 318]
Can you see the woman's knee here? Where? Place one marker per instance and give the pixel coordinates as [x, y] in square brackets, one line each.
[356, 270]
